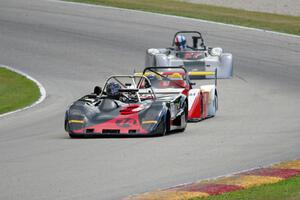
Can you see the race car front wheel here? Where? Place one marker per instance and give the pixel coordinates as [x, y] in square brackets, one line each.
[72, 135]
[166, 125]
[185, 117]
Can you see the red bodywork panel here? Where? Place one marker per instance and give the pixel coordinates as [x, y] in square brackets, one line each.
[127, 121]
[195, 111]
[198, 108]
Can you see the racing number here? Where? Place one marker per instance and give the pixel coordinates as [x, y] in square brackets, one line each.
[128, 122]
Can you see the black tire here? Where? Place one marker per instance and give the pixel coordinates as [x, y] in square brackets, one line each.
[72, 135]
[215, 105]
[216, 102]
[166, 125]
[185, 118]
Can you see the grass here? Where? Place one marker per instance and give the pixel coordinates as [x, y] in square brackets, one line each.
[285, 190]
[16, 91]
[274, 22]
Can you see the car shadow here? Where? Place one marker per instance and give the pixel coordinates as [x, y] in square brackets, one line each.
[120, 136]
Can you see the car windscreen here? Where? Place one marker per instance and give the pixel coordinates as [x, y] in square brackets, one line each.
[164, 78]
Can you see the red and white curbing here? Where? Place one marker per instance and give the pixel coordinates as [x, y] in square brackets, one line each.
[238, 181]
[40, 86]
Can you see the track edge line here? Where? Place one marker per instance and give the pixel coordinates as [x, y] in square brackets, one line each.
[42, 90]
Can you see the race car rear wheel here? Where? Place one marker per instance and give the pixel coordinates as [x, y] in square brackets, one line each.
[215, 106]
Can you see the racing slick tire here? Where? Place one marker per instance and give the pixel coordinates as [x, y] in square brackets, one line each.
[166, 125]
[72, 135]
[185, 115]
[214, 107]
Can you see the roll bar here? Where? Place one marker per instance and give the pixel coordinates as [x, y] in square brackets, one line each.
[136, 85]
[165, 67]
[195, 38]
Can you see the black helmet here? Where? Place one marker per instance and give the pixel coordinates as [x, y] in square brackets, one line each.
[112, 89]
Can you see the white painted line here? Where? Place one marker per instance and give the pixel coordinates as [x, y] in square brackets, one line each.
[178, 17]
[40, 86]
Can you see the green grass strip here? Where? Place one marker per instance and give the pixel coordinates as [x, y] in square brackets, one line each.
[285, 190]
[273, 22]
[16, 91]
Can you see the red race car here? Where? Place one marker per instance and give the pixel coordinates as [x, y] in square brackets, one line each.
[202, 100]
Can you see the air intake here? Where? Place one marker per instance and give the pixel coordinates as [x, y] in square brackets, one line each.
[110, 131]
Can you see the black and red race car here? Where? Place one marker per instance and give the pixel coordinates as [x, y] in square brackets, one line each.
[128, 105]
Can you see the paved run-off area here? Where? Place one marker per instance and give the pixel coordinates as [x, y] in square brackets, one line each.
[70, 48]
[285, 7]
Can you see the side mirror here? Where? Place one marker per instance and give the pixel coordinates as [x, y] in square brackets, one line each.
[97, 90]
[193, 83]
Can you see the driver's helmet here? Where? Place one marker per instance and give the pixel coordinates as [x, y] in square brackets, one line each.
[152, 77]
[180, 42]
[153, 80]
[113, 89]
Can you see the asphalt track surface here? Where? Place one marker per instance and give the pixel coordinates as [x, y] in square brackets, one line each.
[70, 48]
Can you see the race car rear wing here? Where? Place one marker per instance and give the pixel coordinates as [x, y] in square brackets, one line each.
[204, 75]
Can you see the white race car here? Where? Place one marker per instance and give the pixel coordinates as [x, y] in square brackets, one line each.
[194, 58]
